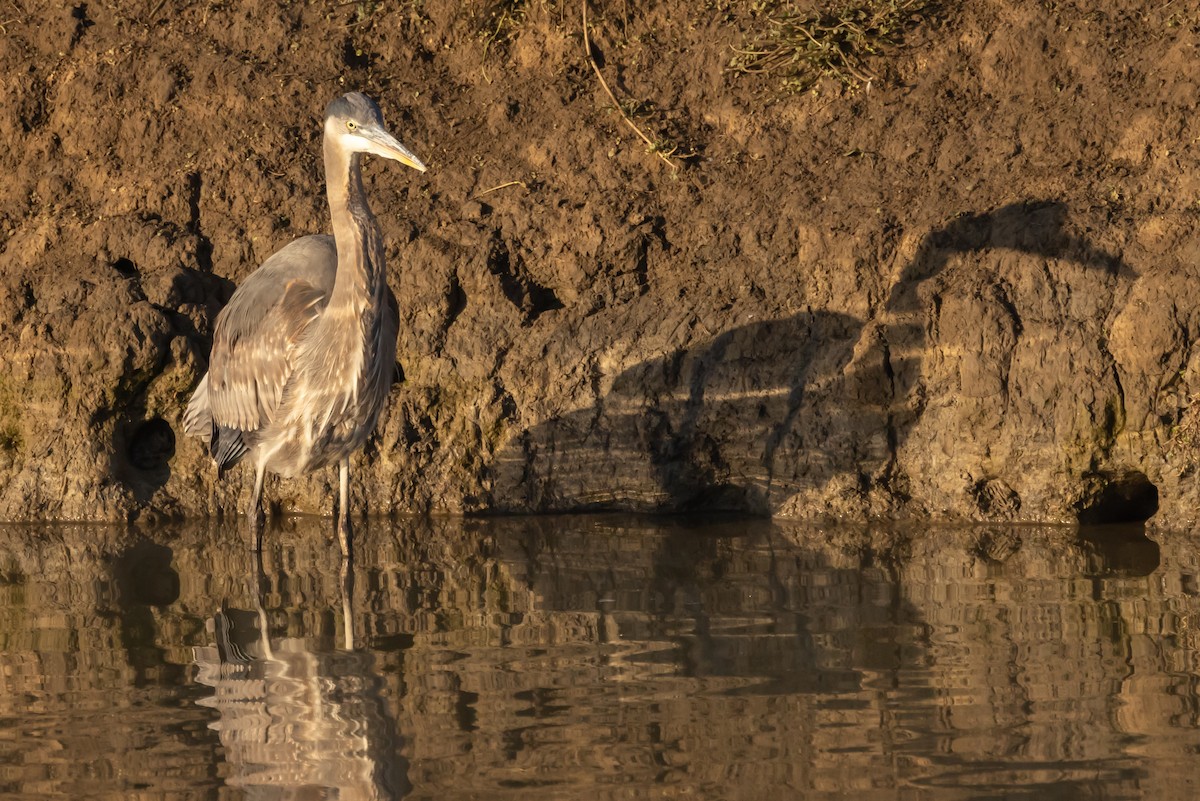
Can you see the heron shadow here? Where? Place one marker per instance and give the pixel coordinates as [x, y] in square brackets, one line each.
[772, 408]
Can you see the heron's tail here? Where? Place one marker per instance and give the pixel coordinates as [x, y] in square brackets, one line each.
[227, 448]
[226, 445]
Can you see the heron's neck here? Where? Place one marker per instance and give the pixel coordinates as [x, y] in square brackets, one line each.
[360, 269]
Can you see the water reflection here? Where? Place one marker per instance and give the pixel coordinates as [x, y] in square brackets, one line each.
[296, 721]
[604, 657]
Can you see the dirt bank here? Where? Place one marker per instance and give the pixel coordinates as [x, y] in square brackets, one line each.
[967, 290]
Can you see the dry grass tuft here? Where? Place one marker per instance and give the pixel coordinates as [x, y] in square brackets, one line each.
[802, 47]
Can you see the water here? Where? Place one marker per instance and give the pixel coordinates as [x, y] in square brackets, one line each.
[599, 658]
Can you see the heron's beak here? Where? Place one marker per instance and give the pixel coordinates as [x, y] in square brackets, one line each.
[384, 144]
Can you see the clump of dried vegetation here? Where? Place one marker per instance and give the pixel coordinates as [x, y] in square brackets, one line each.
[499, 20]
[803, 45]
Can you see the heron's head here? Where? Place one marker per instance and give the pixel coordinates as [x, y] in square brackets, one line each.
[355, 124]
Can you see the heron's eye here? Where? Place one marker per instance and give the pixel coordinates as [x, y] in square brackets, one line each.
[351, 125]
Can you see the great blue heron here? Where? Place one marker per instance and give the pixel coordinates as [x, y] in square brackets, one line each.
[303, 355]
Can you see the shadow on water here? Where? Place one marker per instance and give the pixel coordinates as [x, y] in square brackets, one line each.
[607, 657]
[145, 582]
[1119, 551]
[763, 411]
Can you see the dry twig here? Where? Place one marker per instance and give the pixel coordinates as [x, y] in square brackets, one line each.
[521, 184]
[653, 146]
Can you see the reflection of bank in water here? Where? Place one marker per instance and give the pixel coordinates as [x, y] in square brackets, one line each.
[297, 722]
[606, 658]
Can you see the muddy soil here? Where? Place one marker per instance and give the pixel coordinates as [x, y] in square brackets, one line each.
[967, 290]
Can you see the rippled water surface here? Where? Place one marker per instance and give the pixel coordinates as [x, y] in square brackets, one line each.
[599, 658]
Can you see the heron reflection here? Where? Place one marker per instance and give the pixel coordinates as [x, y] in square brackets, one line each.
[297, 721]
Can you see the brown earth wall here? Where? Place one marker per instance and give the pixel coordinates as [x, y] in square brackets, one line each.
[967, 290]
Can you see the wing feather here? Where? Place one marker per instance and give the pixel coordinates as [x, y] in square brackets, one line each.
[197, 419]
[257, 334]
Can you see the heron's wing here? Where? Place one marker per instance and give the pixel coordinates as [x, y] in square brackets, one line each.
[256, 335]
[253, 355]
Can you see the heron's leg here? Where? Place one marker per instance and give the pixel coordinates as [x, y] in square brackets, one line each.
[255, 516]
[343, 511]
[347, 572]
[260, 586]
